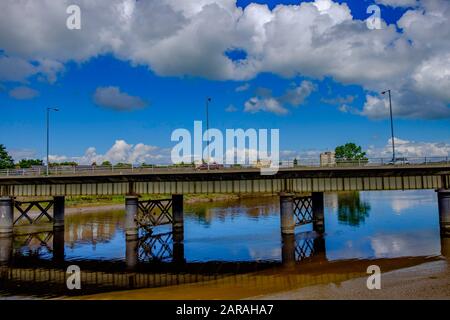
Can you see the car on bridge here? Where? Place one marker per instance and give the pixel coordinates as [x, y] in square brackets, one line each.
[398, 161]
[209, 166]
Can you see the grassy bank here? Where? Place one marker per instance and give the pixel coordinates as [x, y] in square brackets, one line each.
[94, 201]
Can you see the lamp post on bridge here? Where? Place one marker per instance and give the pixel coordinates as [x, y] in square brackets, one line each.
[208, 100]
[48, 135]
[392, 124]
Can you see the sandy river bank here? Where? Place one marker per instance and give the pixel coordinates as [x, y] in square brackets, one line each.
[402, 278]
[427, 281]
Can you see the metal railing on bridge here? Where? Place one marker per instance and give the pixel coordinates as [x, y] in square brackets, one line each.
[180, 168]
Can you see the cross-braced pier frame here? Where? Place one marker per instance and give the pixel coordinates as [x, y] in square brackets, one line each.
[30, 212]
[296, 211]
[147, 214]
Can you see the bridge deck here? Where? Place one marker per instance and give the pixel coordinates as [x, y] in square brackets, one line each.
[248, 180]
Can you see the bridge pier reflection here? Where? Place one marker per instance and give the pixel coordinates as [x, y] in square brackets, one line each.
[444, 211]
[58, 244]
[178, 246]
[301, 247]
[444, 220]
[159, 247]
[288, 250]
[6, 248]
[445, 246]
[131, 253]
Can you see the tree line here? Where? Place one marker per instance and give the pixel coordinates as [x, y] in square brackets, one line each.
[344, 153]
[7, 162]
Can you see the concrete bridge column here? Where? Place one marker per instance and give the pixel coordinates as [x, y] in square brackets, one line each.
[6, 215]
[318, 212]
[444, 211]
[177, 211]
[58, 212]
[178, 229]
[287, 213]
[288, 250]
[131, 210]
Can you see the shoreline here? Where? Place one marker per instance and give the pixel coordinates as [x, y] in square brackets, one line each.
[430, 280]
[402, 278]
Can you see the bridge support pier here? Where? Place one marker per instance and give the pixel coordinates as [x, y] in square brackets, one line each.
[177, 211]
[287, 213]
[178, 229]
[318, 212]
[444, 211]
[131, 210]
[58, 212]
[6, 215]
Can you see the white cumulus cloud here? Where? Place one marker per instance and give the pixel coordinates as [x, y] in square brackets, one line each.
[407, 148]
[264, 101]
[120, 152]
[175, 38]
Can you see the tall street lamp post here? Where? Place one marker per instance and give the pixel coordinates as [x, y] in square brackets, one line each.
[208, 100]
[48, 134]
[392, 125]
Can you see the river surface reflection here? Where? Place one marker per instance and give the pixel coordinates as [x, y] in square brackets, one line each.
[358, 226]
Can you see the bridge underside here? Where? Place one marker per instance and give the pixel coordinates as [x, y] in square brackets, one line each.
[229, 186]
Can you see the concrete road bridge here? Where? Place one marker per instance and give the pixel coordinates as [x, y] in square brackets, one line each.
[231, 180]
[300, 189]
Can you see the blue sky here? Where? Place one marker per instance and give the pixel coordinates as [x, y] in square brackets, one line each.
[154, 102]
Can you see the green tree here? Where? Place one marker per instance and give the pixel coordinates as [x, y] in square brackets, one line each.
[351, 209]
[28, 163]
[106, 163]
[295, 162]
[65, 163]
[123, 165]
[349, 152]
[6, 161]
